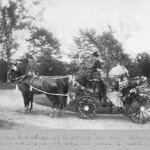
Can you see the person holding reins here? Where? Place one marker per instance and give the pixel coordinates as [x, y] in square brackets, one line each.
[95, 75]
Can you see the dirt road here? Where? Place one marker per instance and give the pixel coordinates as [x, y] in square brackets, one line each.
[12, 117]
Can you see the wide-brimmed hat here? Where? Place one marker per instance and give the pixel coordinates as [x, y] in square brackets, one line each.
[96, 54]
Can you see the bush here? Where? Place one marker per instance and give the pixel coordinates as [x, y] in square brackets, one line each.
[3, 71]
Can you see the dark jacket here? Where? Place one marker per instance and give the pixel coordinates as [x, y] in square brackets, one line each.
[97, 64]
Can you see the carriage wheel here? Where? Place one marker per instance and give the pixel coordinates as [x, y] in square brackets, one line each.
[138, 108]
[86, 107]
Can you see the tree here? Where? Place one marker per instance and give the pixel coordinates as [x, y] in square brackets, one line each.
[106, 44]
[143, 64]
[13, 17]
[43, 42]
[8, 23]
[50, 67]
[3, 71]
[45, 51]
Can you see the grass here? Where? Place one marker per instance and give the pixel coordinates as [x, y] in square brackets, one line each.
[9, 125]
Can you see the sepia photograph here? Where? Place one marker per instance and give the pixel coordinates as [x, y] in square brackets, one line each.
[74, 65]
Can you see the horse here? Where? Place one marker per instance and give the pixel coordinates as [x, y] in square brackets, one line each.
[56, 88]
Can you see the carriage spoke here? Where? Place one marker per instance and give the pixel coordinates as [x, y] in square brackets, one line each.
[143, 120]
[136, 114]
[148, 111]
[147, 116]
[138, 110]
[86, 107]
[138, 118]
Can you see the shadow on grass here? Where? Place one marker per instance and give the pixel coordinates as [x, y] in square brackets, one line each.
[9, 125]
[44, 101]
[67, 114]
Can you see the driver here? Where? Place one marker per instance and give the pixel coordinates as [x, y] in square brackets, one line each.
[95, 74]
[97, 64]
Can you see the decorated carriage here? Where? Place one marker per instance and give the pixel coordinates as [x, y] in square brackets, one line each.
[127, 97]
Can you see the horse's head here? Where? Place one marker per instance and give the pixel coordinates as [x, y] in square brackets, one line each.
[14, 73]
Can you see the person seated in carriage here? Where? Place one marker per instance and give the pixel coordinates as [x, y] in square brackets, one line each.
[119, 76]
[123, 83]
[140, 81]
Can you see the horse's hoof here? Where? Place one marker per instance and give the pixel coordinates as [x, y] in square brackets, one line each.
[25, 112]
[30, 109]
[56, 115]
[62, 112]
[51, 115]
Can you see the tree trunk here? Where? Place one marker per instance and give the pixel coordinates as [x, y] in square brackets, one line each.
[8, 58]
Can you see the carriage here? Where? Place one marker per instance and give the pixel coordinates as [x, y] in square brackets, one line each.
[133, 101]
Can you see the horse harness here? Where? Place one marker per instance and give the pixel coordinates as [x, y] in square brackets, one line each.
[53, 94]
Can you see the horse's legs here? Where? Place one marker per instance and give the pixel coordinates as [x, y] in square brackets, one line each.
[53, 100]
[56, 107]
[62, 105]
[26, 101]
[31, 101]
[61, 99]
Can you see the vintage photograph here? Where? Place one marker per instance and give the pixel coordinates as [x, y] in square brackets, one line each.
[74, 64]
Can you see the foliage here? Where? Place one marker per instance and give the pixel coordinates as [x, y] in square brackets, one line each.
[43, 53]
[106, 44]
[43, 42]
[8, 23]
[50, 67]
[143, 64]
[3, 71]
[14, 17]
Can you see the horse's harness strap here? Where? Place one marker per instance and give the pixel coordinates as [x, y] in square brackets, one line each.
[93, 79]
[48, 93]
[32, 79]
[31, 87]
[21, 77]
[62, 77]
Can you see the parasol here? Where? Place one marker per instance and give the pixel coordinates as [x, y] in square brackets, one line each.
[118, 71]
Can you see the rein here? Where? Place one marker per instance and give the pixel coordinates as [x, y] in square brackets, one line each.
[31, 87]
[21, 78]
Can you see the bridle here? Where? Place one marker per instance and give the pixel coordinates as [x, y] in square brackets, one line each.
[20, 78]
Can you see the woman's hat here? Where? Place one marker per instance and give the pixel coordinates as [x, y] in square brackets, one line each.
[96, 54]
